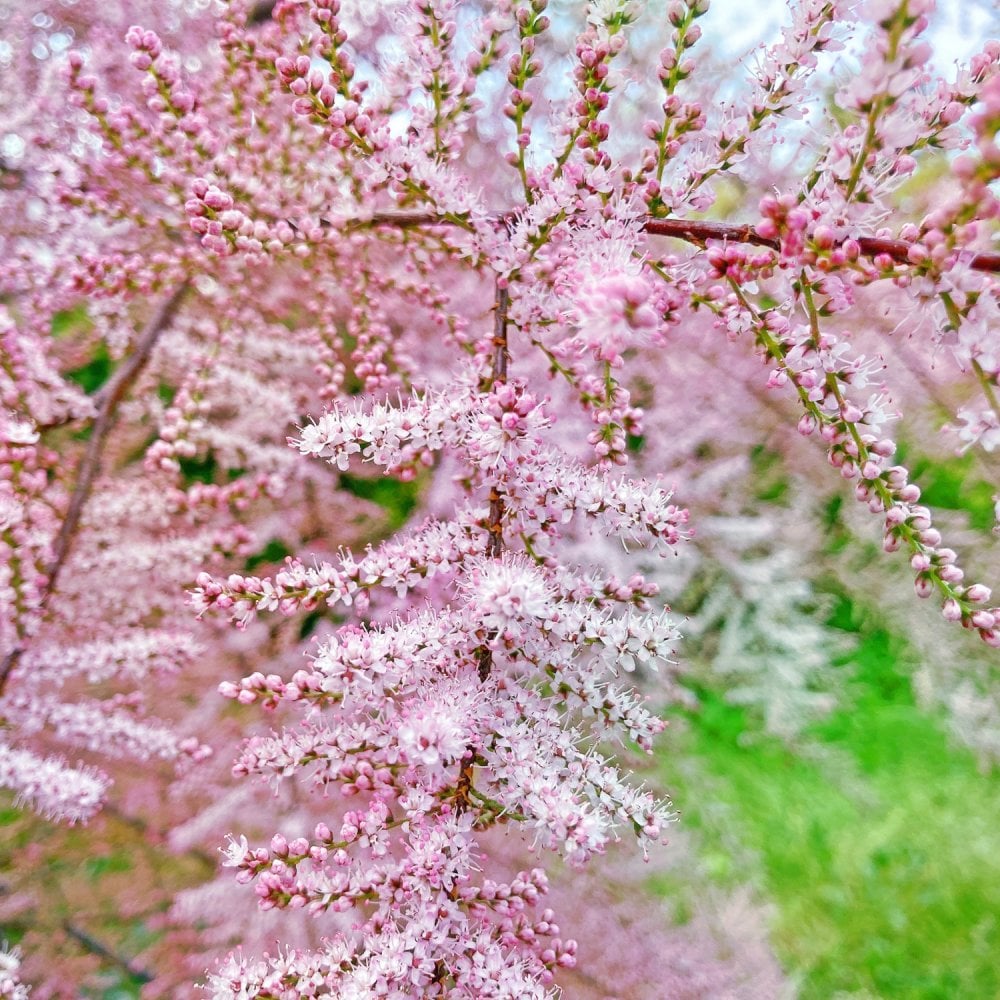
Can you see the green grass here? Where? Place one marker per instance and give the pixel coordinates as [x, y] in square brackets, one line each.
[397, 498]
[877, 841]
[955, 483]
[274, 551]
[91, 376]
[71, 322]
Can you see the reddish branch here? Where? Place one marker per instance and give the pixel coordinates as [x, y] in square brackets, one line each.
[700, 232]
[494, 524]
[501, 356]
[108, 400]
[494, 521]
[871, 246]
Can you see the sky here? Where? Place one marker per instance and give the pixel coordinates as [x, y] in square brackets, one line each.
[959, 29]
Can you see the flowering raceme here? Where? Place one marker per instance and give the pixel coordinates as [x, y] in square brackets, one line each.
[258, 257]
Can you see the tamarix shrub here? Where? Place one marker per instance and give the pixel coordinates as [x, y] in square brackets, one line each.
[255, 254]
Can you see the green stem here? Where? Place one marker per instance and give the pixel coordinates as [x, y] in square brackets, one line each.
[987, 384]
[879, 104]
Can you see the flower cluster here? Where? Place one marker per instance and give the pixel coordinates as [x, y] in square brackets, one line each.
[11, 987]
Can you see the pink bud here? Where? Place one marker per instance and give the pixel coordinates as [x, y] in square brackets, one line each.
[823, 237]
[951, 610]
[983, 619]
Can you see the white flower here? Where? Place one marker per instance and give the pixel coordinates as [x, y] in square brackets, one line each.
[982, 427]
[20, 432]
[509, 590]
[234, 852]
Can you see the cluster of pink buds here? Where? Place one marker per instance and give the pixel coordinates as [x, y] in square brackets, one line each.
[329, 46]
[163, 88]
[304, 81]
[805, 236]
[270, 689]
[27, 528]
[83, 85]
[614, 419]
[522, 67]
[223, 228]
[327, 98]
[181, 424]
[739, 262]
[146, 46]
[237, 495]
[682, 119]
[594, 53]
[511, 902]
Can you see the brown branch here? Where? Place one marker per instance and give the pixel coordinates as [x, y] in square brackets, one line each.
[899, 250]
[108, 399]
[261, 12]
[401, 220]
[871, 246]
[95, 947]
[501, 351]
[699, 232]
[501, 357]
[494, 522]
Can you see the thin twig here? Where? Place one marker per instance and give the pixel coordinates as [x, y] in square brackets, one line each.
[400, 220]
[108, 399]
[501, 358]
[696, 231]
